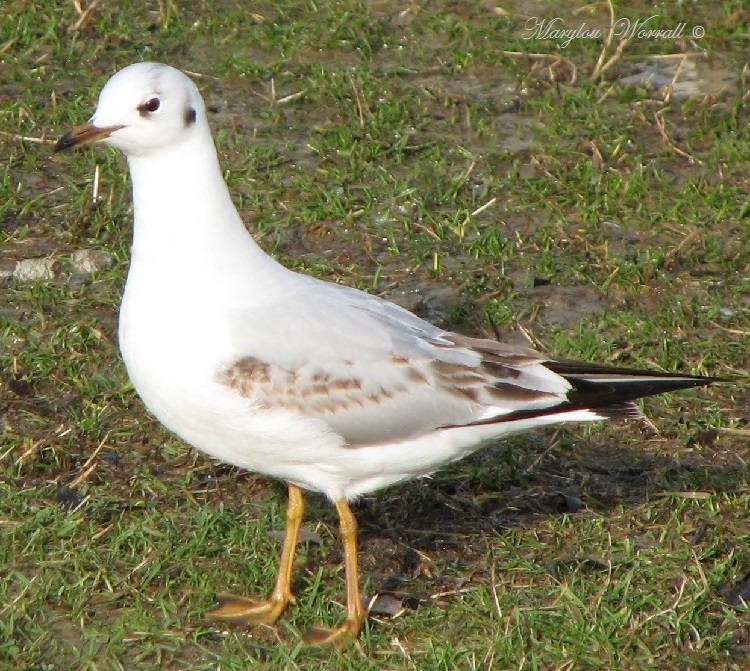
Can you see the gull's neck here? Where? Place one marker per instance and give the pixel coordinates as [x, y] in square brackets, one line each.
[184, 219]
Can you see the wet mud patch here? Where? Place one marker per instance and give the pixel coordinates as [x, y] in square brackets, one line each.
[697, 77]
[564, 306]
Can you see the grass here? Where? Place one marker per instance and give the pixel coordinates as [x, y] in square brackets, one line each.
[404, 149]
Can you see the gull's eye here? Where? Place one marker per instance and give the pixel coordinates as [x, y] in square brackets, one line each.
[151, 105]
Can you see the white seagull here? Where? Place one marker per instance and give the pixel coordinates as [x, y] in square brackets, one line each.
[323, 386]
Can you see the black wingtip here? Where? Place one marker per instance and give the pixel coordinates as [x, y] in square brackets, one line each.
[598, 386]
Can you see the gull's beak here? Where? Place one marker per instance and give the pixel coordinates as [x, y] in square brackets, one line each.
[84, 134]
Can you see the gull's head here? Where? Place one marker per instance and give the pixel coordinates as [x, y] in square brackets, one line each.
[143, 109]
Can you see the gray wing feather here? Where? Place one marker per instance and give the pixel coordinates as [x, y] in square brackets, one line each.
[373, 371]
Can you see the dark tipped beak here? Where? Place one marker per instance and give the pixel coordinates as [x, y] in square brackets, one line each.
[84, 134]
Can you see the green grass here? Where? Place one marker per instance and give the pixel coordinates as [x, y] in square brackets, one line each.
[400, 148]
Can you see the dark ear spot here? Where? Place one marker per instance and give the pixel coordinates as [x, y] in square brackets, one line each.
[190, 116]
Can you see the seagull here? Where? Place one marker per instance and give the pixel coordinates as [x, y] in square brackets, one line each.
[322, 386]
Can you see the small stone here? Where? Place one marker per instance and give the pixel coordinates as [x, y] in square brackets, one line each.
[34, 270]
[89, 261]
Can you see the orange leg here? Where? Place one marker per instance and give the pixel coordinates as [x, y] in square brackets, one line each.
[251, 611]
[355, 613]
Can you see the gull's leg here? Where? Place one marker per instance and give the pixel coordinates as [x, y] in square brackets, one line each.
[355, 613]
[251, 611]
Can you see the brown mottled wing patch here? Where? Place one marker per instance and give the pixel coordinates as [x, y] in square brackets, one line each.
[391, 400]
[506, 376]
[275, 386]
[379, 401]
[246, 375]
[489, 383]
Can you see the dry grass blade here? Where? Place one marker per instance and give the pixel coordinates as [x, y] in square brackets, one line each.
[660, 125]
[26, 138]
[90, 466]
[555, 60]
[84, 14]
[607, 41]
[358, 100]
[670, 88]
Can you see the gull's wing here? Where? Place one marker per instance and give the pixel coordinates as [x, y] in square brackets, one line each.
[376, 373]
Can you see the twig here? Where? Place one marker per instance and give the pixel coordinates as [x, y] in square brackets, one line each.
[34, 447]
[686, 240]
[615, 57]
[272, 100]
[290, 97]
[453, 592]
[95, 190]
[426, 229]
[556, 58]
[81, 503]
[596, 155]
[8, 45]
[358, 100]
[604, 95]
[201, 75]
[741, 332]
[645, 420]
[654, 57]
[553, 443]
[495, 599]
[531, 338]
[663, 132]
[670, 88]
[26, 138]
[21, 595]
[607, 41]
[84, 14]
[482, 208]
[465, 175]
[90, 466]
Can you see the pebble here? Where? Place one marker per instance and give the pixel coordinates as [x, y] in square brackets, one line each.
[81, 262]
[34, 270]
[89, 261]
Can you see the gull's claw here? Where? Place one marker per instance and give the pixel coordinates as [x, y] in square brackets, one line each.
[335, 636]
[242, 610]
